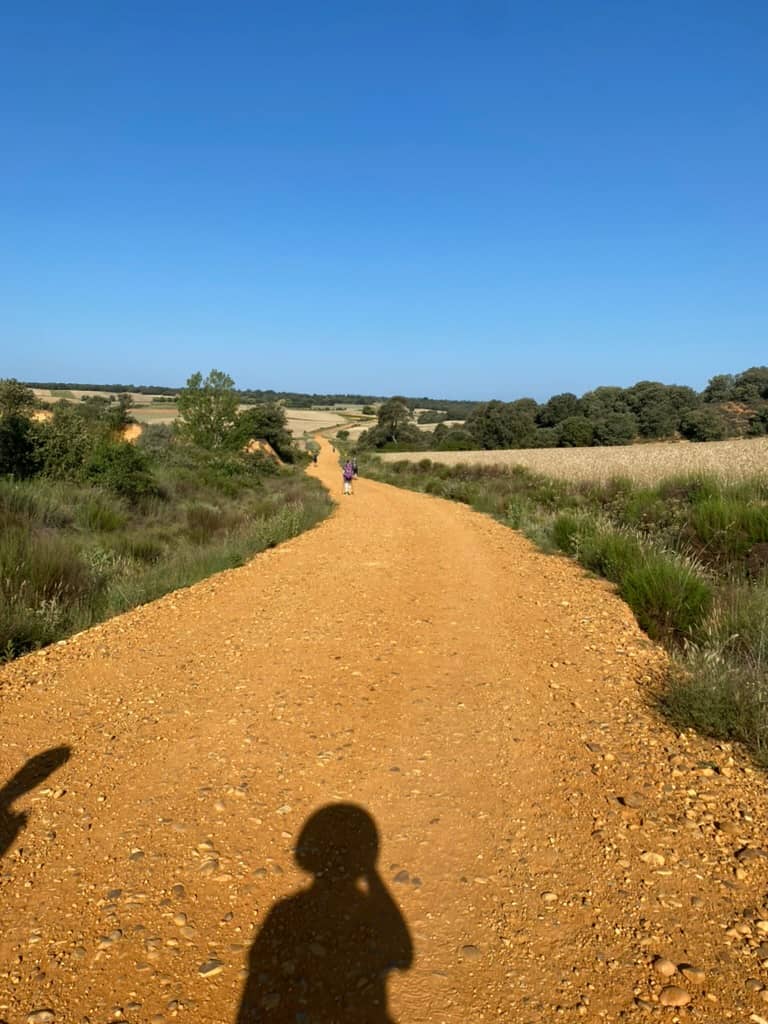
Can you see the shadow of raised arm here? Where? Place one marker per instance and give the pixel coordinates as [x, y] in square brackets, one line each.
[30, 775]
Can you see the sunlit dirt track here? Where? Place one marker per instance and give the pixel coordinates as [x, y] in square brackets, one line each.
[527, 838]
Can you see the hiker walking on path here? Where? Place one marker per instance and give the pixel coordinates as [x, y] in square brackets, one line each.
[348, 474]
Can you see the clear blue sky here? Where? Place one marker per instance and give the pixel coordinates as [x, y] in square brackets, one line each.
[476, 199]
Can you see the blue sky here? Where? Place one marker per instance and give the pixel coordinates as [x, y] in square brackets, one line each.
[475, 200]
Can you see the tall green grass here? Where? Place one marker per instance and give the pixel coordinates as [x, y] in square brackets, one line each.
[689, 556]
[72, 554]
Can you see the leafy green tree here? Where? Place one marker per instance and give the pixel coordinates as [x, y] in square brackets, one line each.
[66, 440]
[527, 406]
[15, 397]
[603, 401]
[265, 421]
[659, 407]
[758, 424]
[208, 410]
[557, 409]
[121, 468]
[18, 449]
[575, 432]
[451, 439]
[719, 388]
[393, 415]
[702, 425]
[497, 425]
[409, 438]
[546, 437]
[615, 428]
[751, 386]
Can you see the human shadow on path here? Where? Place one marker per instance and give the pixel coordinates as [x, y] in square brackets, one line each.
[30, 775]
[323, 955]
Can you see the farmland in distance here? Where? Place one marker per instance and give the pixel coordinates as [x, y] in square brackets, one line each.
[645, 463]
[148, 409]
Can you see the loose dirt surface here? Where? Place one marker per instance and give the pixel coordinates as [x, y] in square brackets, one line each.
[544, 837]
[647, 463]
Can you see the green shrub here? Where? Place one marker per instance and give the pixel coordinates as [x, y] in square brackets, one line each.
[19, 456]
[641, 538]
[568, 529]
[719, 699]
[703, 424]
[726, 527]
[44, 583]
[204, 522]
[689, 488]
[609, 553]
[140, 547]
[121, 468]
[575, 432]
[669, 597]
[517, 511]
[156, 440]
[738, 625]
[100, 514]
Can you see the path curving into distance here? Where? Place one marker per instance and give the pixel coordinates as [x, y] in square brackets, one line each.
[400, 768]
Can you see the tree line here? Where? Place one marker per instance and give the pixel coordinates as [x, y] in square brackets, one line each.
[732, 405]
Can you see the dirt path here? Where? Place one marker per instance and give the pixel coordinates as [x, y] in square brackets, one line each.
[543, 836]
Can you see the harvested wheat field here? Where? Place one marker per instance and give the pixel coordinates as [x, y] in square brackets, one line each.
[645, 463]
[401, 768]
[301, 421]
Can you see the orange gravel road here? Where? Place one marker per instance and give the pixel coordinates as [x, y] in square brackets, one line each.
[543, 837]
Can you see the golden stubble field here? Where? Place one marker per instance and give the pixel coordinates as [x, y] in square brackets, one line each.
[645, 463]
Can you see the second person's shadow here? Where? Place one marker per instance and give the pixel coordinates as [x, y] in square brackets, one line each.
[324, 954]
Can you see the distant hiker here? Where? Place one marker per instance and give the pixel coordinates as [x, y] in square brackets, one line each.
[354, 467]
[348, 475]
[314, 457]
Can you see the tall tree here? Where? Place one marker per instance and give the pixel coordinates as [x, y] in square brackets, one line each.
[208, 409]
[393, 415]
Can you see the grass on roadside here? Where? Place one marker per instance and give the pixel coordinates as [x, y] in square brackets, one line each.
[72, 554]
[689, 555]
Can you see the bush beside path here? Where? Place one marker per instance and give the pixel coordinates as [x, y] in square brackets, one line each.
[549, 843]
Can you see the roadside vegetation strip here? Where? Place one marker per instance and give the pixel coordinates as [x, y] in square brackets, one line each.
[688, 554]
[91, 526]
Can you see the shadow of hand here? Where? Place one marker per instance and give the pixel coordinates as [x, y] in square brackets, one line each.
[11, 823]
